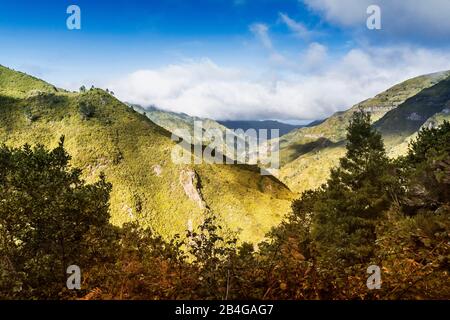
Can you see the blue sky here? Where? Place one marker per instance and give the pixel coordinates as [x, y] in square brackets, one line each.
[229, 59]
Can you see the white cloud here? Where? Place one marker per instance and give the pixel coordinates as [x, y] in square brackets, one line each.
[298, 28]
[203, 88]
[415, 18]
[315, 57]
[261, 31]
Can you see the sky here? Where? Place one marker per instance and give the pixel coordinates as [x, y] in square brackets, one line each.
[229, 59]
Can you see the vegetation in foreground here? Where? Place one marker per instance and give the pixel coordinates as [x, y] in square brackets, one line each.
[372, 211]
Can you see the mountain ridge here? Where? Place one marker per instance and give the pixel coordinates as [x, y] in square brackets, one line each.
[104, 135]
[307, 154]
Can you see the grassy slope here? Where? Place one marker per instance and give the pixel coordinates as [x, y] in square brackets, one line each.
[308, 154]
[404, 121]
[135, 155]
[172, 121]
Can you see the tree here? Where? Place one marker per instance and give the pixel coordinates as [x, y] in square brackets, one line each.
[427, 170]
[330, 236]
[29, 115]
[211, 254]
[415, 242]
[87, 110]
[49, 219]
[355, 196]
[83, 89]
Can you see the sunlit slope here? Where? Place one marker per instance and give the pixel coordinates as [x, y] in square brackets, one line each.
[308, 154]
[135, 155]
[397, 125]
[183, 125]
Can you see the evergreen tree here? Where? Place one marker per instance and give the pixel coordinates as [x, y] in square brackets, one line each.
[426, 168]
[344, 210]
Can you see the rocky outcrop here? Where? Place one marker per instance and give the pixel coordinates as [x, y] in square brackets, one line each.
[192, 188]
[157, 170]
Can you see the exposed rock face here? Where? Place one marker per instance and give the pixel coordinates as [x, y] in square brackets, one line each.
[190, 182]
[374, 109]
[314, 136]
[157, 169]
[431, 125]
[128, 210]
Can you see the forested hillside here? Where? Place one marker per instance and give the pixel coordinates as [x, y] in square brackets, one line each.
[391, 214]
[104, 135]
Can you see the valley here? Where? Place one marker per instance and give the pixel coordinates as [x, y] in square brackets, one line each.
[135, 155]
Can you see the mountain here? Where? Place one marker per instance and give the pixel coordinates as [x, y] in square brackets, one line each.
[183, 125]
[307, 154]
[103, 134]
[172, 121]
[257, 125]
[414, 112]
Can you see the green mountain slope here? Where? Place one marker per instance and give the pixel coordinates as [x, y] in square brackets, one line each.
[414, 112]
[105, 135]
[172, 121]
[308, 154]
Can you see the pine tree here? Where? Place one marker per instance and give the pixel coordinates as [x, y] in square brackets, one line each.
[356, 194]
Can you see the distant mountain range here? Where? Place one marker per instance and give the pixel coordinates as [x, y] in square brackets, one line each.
[283, 128]
[173, 120]
[308, 152]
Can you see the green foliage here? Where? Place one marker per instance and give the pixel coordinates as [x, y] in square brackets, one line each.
[394, 214]
[135, 155]
[321, 251]
[211, 255]
[361, 217]
[430, 143]
[427, 167]
[49, 220]
[353, 197]
[87, 110]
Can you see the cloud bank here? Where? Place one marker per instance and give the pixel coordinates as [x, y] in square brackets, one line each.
[418, 19]
[309, 84]
[314, 86]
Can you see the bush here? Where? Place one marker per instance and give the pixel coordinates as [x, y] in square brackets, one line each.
[87, 110]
